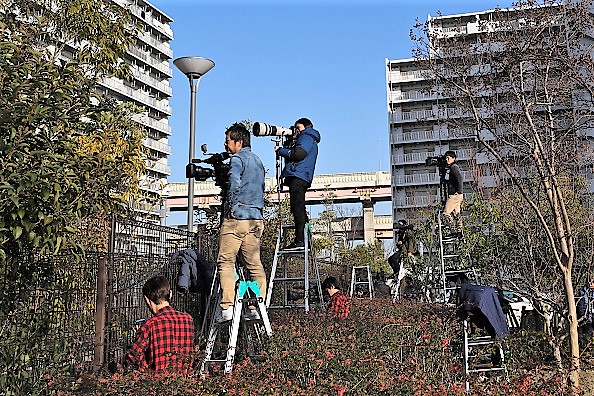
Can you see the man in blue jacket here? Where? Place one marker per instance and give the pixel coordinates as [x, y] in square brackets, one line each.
[243, 221]
[300, 162]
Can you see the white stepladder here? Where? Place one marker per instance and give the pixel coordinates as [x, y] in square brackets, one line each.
[482, 355]
[361, 276]
[454, 267]
[291, 278]
[221, 346]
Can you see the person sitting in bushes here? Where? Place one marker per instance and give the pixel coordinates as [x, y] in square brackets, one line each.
[339, 303]
[165, 341]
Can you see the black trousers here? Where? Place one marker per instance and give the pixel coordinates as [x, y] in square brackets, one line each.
[297, 189]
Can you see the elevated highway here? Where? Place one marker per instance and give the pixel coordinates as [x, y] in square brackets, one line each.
[366, 188]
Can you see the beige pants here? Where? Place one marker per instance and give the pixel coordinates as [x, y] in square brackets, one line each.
[239, 236]
[451, 212]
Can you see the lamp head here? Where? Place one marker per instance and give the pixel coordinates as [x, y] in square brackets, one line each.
[193, 66]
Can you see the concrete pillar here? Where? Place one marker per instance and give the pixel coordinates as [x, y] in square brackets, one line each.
[368, 222]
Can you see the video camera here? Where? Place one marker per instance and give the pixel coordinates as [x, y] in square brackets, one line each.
[439, 161]
[219, 169]
[262, 129]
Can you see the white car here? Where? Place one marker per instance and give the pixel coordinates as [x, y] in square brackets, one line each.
[518, 304]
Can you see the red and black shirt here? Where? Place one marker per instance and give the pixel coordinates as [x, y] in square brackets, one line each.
[164, 342]
[339, 305]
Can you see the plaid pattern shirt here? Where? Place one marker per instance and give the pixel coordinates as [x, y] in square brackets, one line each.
[339, 305]
[164, 342]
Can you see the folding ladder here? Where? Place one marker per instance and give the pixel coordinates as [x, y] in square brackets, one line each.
[396, 286]
[454, 268]
[482, 355]
[221, 345]
[292, 283]
[361, 276]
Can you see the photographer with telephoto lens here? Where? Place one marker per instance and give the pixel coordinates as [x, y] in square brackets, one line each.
[300, 157]
[451, 210]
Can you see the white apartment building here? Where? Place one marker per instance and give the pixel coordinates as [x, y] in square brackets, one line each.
[418, 131]
[418, 128]
[151, 68]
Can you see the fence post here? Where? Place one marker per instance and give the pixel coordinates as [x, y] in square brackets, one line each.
[100, 302]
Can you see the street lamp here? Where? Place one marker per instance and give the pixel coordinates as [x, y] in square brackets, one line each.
[193, 67]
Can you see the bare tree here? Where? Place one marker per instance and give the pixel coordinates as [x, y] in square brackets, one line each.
[522, 86]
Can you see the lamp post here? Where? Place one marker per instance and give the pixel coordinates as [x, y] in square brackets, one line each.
[193, 67]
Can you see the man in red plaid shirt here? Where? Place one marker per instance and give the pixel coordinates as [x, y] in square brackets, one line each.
[165, 341]
[339, 303]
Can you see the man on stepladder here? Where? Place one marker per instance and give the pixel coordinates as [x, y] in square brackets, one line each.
[243, 221]
[451, 210]
[300, 162]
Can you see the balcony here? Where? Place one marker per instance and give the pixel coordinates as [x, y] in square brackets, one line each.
[159, 167]
[158, 146]
[161, 66]
[425, 178]
[158, 45]
[400, 96]
[152, 82]
[419, 136]
[412, 116]
[142, 97]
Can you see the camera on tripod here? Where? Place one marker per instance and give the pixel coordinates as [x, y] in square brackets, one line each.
[262, 129]
[219, 169]
[439, 161]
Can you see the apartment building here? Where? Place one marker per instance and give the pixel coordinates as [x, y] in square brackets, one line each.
[151, 68]
[418, 131]
[418, 117]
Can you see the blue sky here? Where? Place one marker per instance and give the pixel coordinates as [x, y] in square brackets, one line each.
[280, 60]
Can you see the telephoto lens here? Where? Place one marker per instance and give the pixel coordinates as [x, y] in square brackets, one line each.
[262, 129]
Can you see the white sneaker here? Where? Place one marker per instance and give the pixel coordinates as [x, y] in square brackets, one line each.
[225, 315]
[251, 314]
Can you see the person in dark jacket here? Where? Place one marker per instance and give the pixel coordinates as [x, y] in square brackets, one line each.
[584, 308]
[451, 210]
[300, 162]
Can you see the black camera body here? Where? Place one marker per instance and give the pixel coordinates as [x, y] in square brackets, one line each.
[219, 170]
[439, 161]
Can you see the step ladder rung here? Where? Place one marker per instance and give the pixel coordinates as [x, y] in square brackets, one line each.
[289, 279]
[293, 252]
[483, 370]
[307, 275]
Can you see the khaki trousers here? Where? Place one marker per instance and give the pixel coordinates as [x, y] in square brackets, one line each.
[451, 212]
[239, 236]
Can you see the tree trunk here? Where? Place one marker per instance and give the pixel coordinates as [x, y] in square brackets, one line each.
[574, 348]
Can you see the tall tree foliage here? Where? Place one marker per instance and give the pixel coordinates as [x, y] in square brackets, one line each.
[69, 158]
[66, 154]
[522, 86]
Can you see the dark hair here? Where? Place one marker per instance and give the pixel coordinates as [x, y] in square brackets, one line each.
[450, 153]
[329, 282]
[305, 122]
[157, 289]
[238, 132]
[402, 221]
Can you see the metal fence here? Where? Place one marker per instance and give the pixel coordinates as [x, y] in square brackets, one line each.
[82, 309]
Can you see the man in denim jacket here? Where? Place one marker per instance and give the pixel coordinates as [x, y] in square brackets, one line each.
[243, 222]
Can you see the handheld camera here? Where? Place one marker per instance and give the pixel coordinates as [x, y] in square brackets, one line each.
[218, 171]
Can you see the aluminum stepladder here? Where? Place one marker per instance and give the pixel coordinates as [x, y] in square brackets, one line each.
[219, 344]
[482, 355]
[397, 287]
[365, 280]
[454, 268]
[291, 276]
